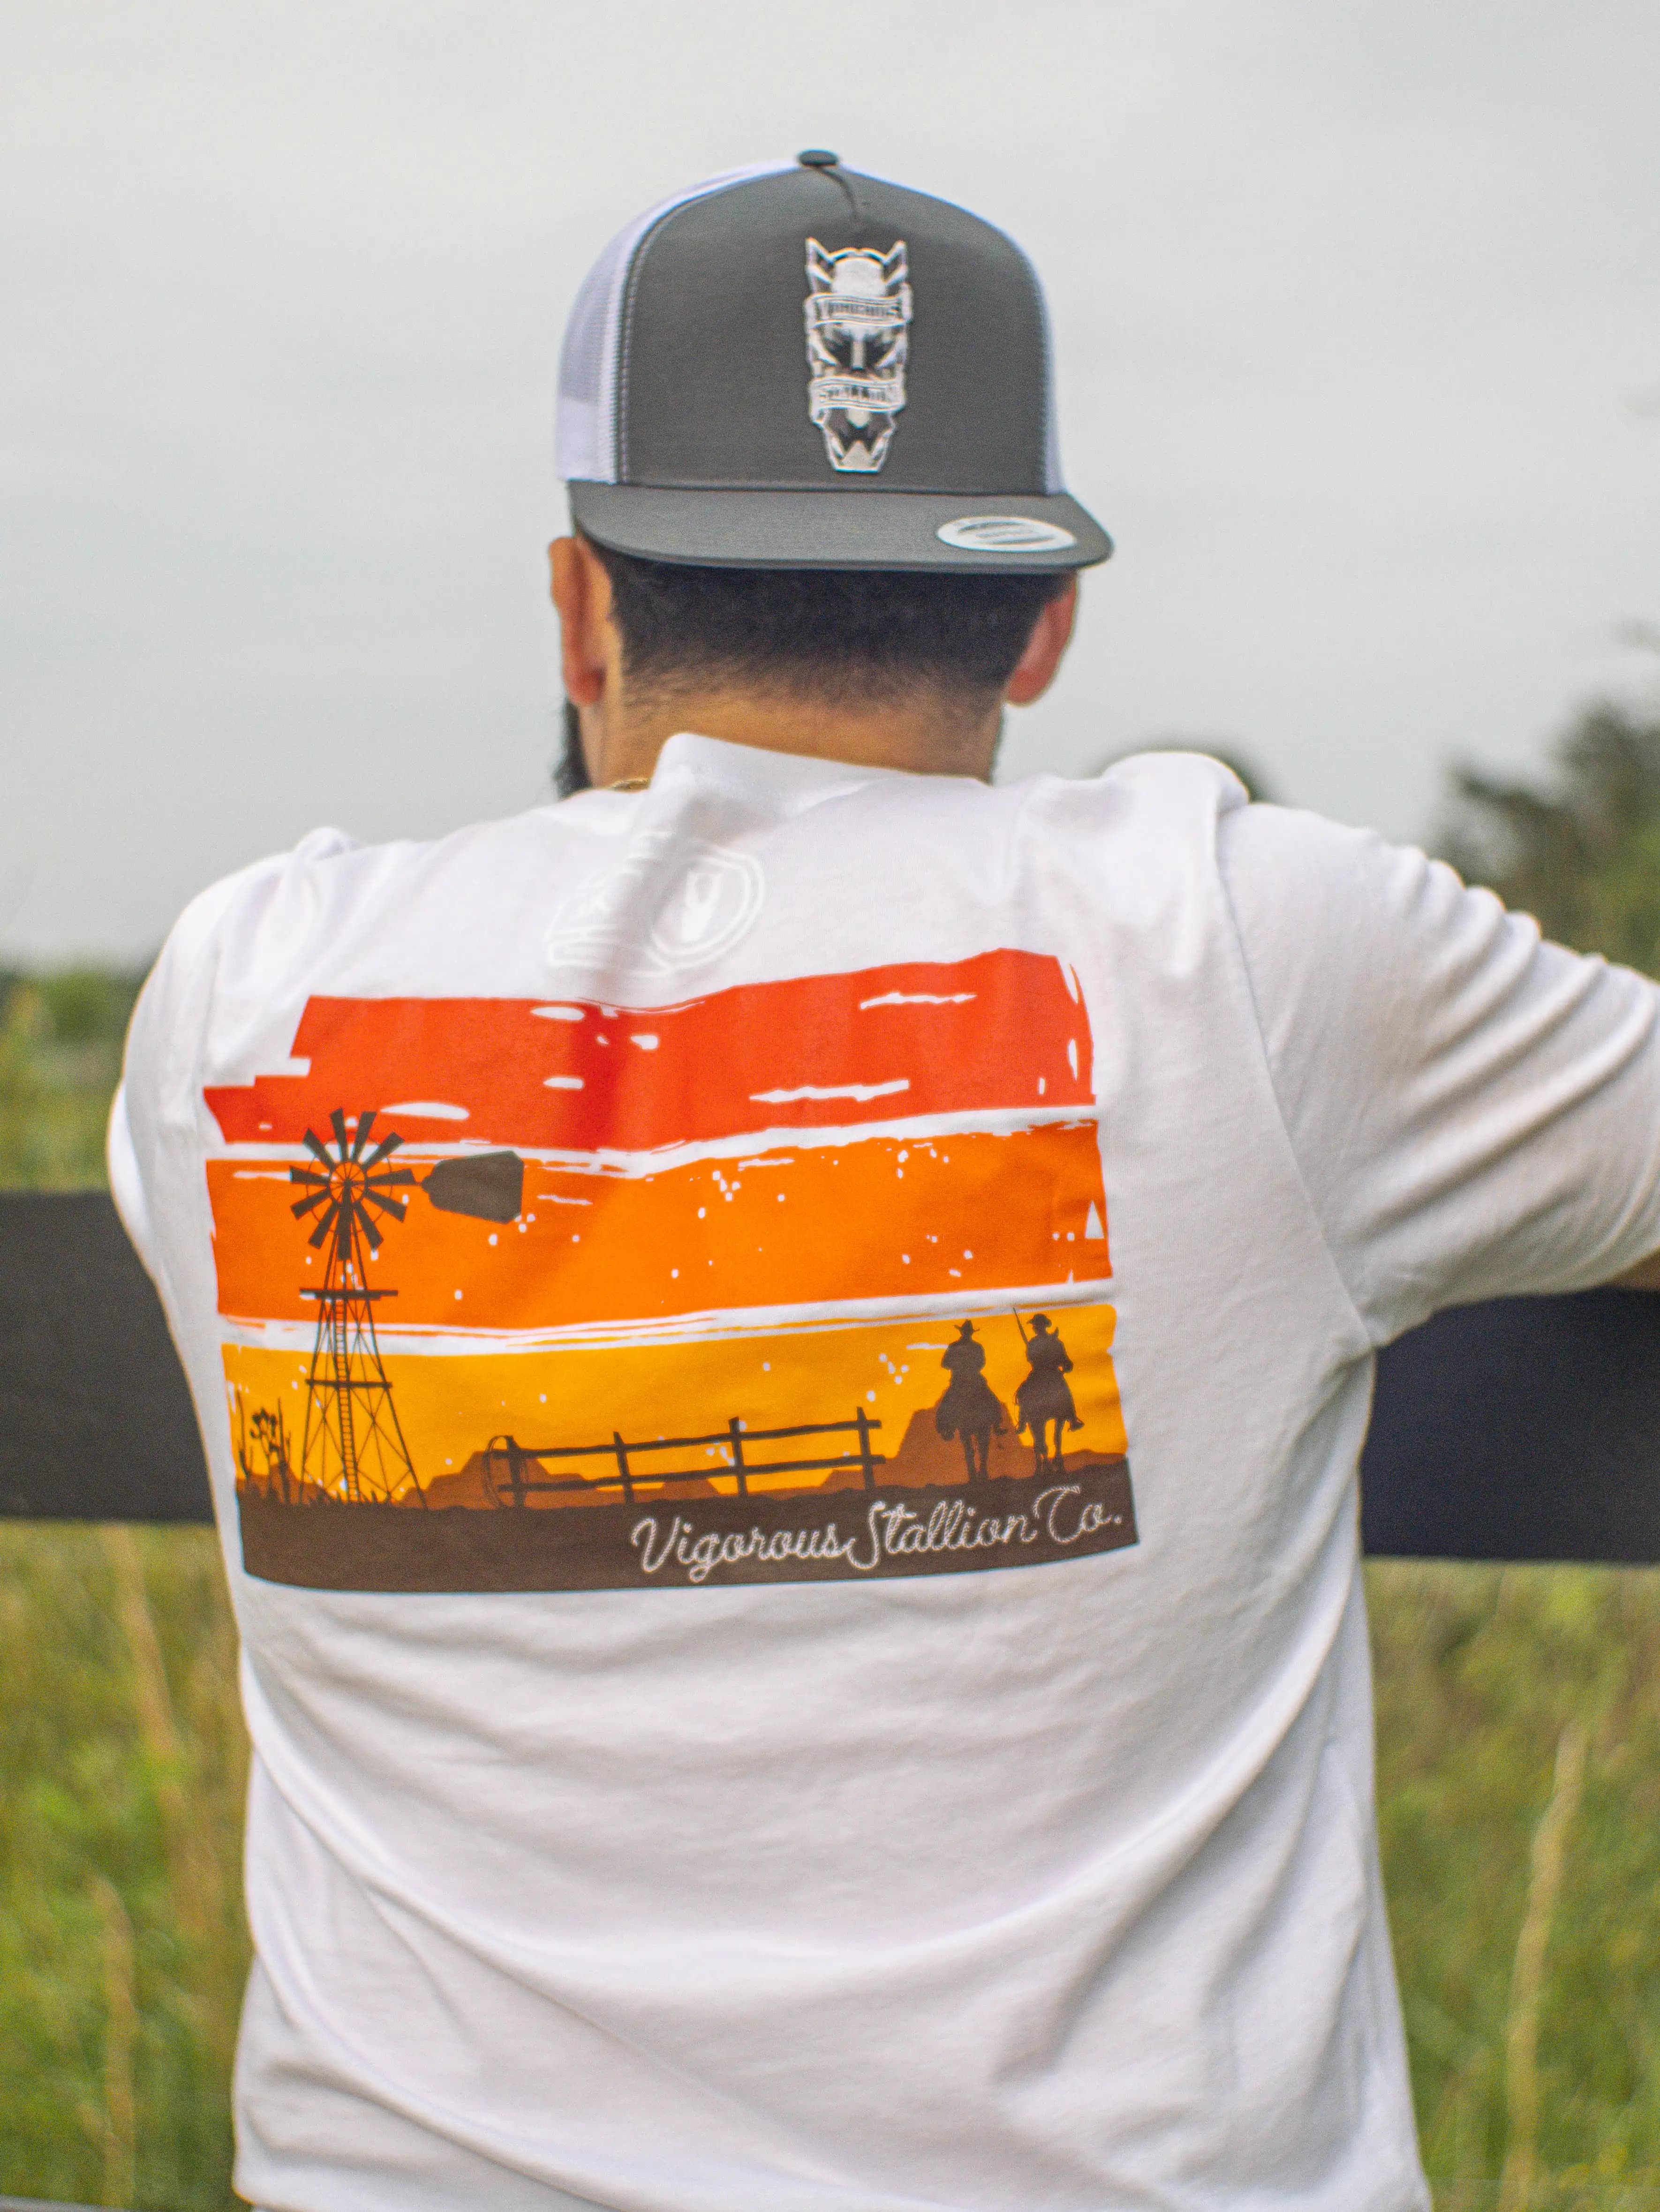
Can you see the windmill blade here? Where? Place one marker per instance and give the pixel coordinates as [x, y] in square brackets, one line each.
[337, 1124]
[392, 1205]
[313, 1181]
[320, 1150]
[364, 1123]
[388, 1178]
[375, 1239]
[319, 1234]
[487, 1186]
[388, 1144]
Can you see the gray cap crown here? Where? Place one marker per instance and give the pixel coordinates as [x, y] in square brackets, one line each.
[720, 400]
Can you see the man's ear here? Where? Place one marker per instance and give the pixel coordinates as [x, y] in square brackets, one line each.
[582, 594]
[1034, 672]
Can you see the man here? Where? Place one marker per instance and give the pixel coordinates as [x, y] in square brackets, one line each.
[678, 1783]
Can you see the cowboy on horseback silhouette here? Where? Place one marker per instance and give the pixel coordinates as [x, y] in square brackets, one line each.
[969, 1409]
[1044, 1398]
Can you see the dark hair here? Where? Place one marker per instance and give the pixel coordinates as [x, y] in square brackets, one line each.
[828, 632]
[570, 769]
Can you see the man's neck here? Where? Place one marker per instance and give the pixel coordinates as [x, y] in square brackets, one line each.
[925, 736]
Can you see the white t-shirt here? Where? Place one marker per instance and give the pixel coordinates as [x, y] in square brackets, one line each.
[794, 1539]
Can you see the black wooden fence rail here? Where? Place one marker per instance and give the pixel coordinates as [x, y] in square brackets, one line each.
[629, 1478]
[1525, 1429]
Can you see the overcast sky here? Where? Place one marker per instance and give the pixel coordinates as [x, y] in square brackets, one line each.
[1357, 322]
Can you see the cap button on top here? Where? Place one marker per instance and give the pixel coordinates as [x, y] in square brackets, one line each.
[818, 157]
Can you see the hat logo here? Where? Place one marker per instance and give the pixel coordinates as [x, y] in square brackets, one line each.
[858, 313]
[1003, 533]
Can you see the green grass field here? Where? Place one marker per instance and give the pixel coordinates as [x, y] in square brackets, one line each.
[1518, 1728]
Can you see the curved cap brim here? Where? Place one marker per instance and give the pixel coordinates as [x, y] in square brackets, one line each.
[841, 529]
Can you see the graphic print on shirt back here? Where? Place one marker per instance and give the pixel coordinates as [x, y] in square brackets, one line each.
[794, 1281]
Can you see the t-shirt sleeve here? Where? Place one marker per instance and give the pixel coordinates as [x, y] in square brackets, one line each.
[155, 1102]
[154, 1139]
[1476, 1112]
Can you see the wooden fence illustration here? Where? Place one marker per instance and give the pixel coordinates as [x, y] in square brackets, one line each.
[507, 1462]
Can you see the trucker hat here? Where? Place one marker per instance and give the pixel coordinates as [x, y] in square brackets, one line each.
[797, 366]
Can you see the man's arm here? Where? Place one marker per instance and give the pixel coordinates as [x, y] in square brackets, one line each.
[1477, 1113]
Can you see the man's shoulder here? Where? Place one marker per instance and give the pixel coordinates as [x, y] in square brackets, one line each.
[1159, 801]
[1169, 772]
[292, 902]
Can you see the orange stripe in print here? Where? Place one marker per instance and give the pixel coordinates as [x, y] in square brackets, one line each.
[1004, 1029]
[885, 1217]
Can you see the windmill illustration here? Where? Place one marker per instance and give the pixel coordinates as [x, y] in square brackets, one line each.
[353, 1449]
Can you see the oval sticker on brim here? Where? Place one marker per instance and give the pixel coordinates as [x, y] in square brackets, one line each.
[1003, 533]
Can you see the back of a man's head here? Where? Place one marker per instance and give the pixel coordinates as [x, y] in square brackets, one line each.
[806, 422]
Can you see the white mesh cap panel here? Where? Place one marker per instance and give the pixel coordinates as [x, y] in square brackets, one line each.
[586, 434]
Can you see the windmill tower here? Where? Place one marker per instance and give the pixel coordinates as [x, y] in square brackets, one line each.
[353, 1449]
